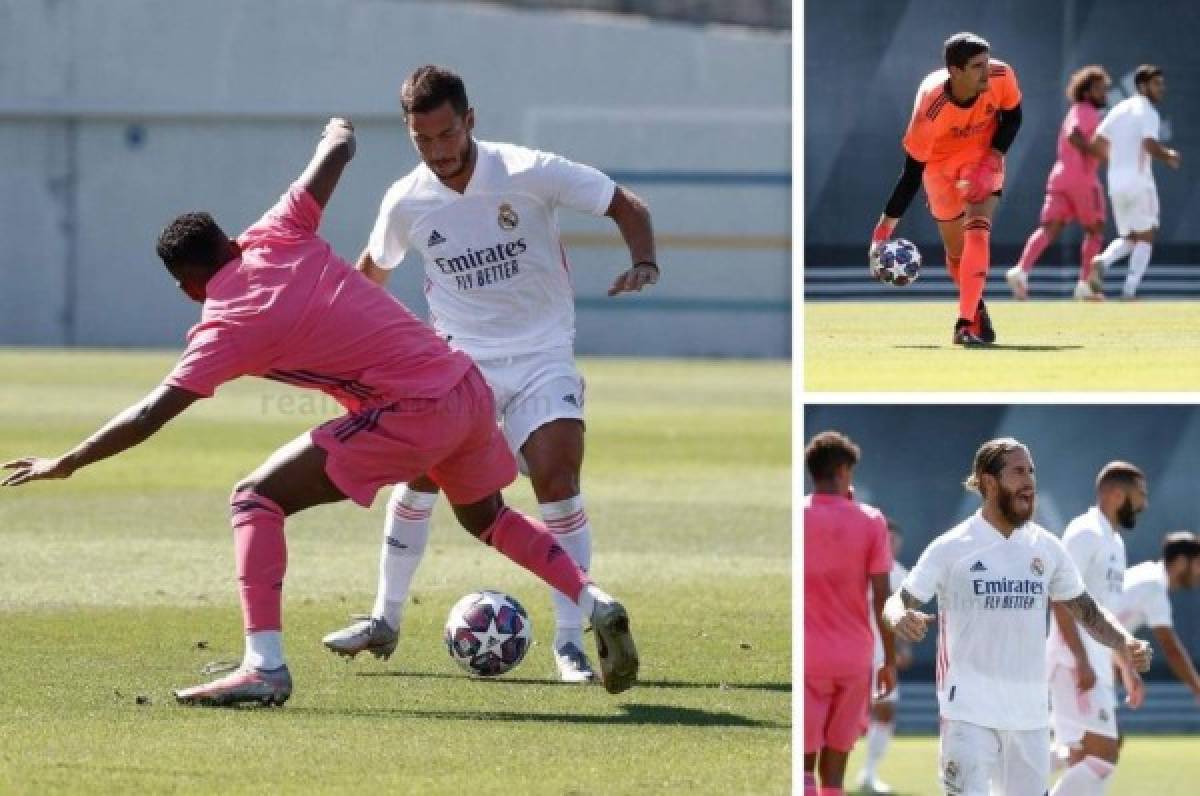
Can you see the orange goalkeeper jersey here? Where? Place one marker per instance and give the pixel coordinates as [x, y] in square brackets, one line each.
[944, 135]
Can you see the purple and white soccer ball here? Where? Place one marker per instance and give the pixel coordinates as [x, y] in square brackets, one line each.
[487, 633]
[898, 263]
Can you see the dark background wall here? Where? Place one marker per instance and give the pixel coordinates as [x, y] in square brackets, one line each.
[864, 59]
[915, 458]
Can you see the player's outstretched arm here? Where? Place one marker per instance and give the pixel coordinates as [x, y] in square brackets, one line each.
[906, 188]
[901, 615]
[632, 217]
[334, 151]
[1164, 153]
[133, 426]
[1104, 627]
[1178, 658]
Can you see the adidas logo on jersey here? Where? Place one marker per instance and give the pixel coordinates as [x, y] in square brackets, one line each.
[571, 400]
[435, 238]
[978, 567]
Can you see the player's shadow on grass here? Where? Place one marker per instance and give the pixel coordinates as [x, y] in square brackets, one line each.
[667, 715]
[995, 347]
[778, 687]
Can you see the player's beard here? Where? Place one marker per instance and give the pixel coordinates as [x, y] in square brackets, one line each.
[1126, 516]
[1006, 502]
[464, 160]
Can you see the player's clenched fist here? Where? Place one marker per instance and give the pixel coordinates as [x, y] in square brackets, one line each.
[911, 626]
[978, 180]
[1139, 653]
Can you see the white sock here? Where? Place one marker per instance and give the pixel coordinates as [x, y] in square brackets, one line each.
[404, 537]
[1088, 777]
[264, 649]
[879, 734]
[1120, 247]
[591, 595]
[568, 521]
[1138, 262]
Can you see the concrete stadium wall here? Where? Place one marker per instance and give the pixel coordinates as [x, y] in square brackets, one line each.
[116, 116]
[916, 457]
[864, 60]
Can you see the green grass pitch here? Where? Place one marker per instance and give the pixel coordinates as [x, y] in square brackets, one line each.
[1158, 764]
[117, 585]
[1041, 345]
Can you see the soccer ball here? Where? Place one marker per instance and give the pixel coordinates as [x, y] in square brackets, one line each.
[897, 263]
[487, 633]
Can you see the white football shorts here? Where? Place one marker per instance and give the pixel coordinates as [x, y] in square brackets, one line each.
[531, 390]
[1073, 713]
[1135, 208]
[980, 761]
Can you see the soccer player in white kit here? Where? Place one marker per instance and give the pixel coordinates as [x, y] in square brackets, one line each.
[1146, 601]
[993, 575]
[1082, 695]
[483, 218]
[882, 724]
[1128, 138]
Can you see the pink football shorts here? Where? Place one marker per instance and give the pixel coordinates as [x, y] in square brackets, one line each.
[1080, 202]
[835, 711]
[454, 440]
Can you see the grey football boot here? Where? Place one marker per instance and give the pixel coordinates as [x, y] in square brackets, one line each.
[372, 634]
[614, 647]
[573, 664]
[246, 684]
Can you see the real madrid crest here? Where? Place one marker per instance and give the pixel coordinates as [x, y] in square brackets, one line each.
[1037, 566]
[507, 217]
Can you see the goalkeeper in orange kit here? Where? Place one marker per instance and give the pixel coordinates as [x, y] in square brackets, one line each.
[964, 119]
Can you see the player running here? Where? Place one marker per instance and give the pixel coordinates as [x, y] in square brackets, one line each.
[964, 119]
[1073, 192]
[278, 303]
[1145, 600]
[482, 217]
[845, 551]
[1082, 695]
[882, 725]
[993, 575]
[1128, 138]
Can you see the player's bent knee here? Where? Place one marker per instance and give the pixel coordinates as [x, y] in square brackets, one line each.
[556, 486]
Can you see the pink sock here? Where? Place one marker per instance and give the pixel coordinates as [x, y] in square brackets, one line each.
[527, 542]
[810, 784]
[1034, 247]
[261, 559]
[829, 790]
[1091, 246]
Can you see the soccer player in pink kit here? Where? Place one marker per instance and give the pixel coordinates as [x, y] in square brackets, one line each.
[846, 549]
[280, 304]
[1073, 191]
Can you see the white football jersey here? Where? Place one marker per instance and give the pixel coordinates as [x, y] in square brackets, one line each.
[1145, 601]
[1126, 126]
[895, 579]
[993, 594]
[1098, 552]
[496, 274]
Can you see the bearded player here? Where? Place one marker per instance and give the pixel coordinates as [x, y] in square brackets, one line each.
[1073, 191]
[964, 120]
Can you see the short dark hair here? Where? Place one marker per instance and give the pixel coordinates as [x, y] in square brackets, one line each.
[1145, 73]
[1119, 473]
[827, 451]
[1082, 81]
[989, 460]
[192, 238]
[429, 86]
[962, 47]
[1180, 543]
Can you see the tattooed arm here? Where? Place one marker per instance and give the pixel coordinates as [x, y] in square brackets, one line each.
[1104, 627]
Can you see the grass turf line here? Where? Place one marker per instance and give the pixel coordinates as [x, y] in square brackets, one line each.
[109, 580]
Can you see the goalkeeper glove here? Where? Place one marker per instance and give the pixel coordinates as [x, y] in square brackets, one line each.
[979, 179]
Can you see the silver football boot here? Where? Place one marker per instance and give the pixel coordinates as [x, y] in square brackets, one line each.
[246, 684]
[371, 634]
[573, 664]
[614, 647]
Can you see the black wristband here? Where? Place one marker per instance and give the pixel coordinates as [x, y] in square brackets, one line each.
[650, 263]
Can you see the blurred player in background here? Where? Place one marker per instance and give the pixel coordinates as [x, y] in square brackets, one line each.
[993, 575]
[280, 304]
[882, 724]
[845, 551]
[1146, 602]
[1128, 137]
[1082, 695]
[483, 217]
[964, 119]
[1073, 191]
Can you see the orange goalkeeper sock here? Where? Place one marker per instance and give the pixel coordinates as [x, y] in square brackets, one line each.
[952, 264]
[977, 234]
